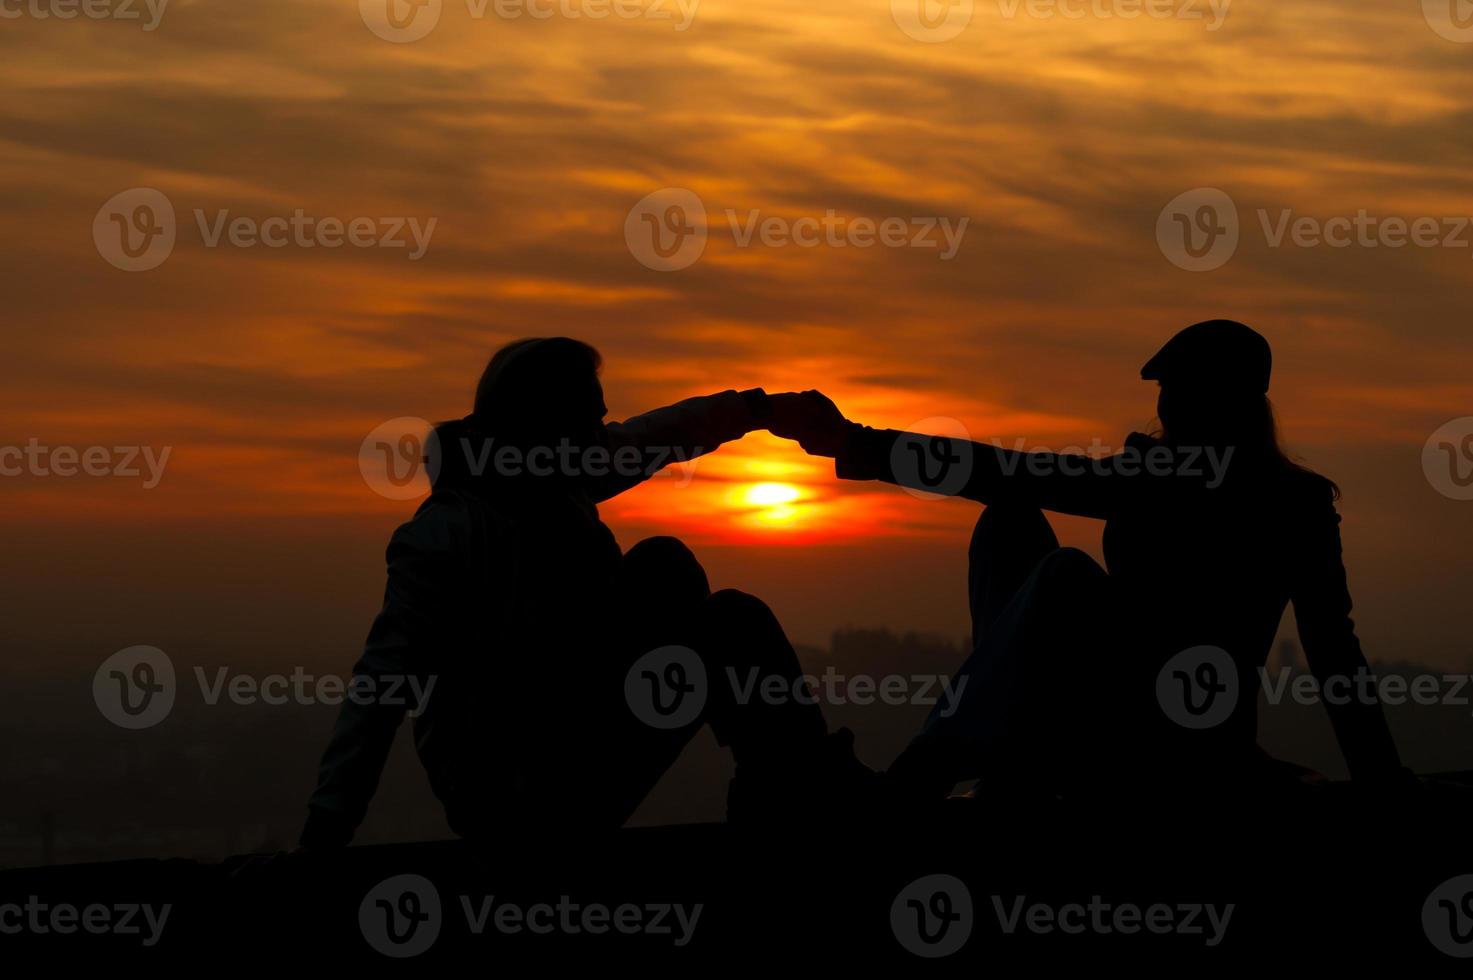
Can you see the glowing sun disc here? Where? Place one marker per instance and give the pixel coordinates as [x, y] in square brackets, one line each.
[771, 494]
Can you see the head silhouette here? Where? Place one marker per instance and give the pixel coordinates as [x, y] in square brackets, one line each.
[1214, 380]
[542, 392]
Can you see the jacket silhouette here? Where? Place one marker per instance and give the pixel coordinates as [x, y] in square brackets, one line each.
[1203, 547]
[510, 600]
[504, 589]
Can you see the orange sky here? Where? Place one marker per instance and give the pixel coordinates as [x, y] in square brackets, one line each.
[528, 141]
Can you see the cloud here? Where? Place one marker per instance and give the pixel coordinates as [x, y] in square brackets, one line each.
[1059, 140]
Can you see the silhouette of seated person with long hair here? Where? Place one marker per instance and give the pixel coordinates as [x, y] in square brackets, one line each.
[1210, 532]
[511, 594]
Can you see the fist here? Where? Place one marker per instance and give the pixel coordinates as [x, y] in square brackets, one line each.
[811, 419]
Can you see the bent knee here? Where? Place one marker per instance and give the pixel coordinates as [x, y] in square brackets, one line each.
[1069, 565]
[665, 566]
[661, 548]
[731, 614]
[734, 604]
[1010, 525]
[741, 631]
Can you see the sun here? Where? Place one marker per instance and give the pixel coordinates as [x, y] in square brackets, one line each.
[770, 504]
[771, 494]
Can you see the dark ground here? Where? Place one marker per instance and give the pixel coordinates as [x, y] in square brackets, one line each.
[1326, 879]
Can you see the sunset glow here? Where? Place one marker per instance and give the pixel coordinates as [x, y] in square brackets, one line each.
[529, 141]
[771, 494]
[773, 503]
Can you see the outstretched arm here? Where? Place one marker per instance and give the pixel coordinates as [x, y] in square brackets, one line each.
[643, 445]
[949, 466]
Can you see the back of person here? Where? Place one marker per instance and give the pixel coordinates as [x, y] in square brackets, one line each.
[540, 586]
[1193, 565]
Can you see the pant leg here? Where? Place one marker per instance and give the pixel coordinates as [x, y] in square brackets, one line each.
[734, 636]
[661, 594]
[1007, 544]
[1031, 691]
[746, 652]
[662, 581]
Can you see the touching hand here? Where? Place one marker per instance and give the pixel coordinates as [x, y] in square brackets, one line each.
[811, 419]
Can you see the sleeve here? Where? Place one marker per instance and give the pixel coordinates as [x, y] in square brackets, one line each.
[424, 569]
[1067, 483]
[1322, 608]
[642, 446]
